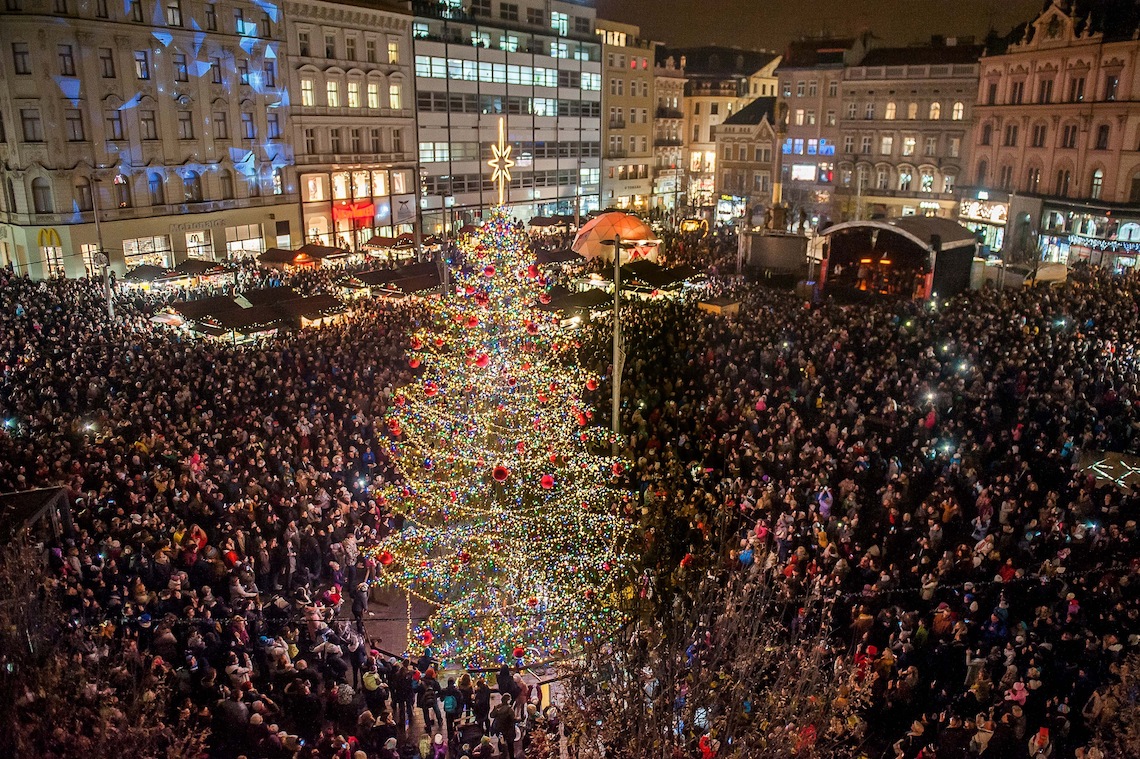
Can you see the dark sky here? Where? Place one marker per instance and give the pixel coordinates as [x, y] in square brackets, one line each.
[772, 23]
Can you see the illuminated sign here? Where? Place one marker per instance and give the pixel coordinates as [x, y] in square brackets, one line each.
[1095, 243]
[984, 211]
[804, 172]
[929, 205]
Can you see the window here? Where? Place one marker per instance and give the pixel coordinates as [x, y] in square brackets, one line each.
[534, 16]
[101, 9]
[73, 122]
[330, 46]
[955, 148]
[508, 42]
[1005, 177]
[114, 122]
[174, 12]
[830, 118]
[1063, 178]
[1040, 131]
[142, 64]
[354, 144]
[991, 94]
[157, 187]
[370, 50]
[32, 125]
[509, 11]
[931, 146]
[221, 125]
[1096, 185]
[848, 144]
[83, 199]
[480, 7]
[181, 70]
[813, 88]
[248, 126]
[148, 125]
[926, 182]
[269, 74]
[1111, 84]
[60, 6]
[226, 180]
[303, 43]
[869, 111]
[912, 111]
[192, 187]
[395, 98]
[983, 170]
[799, 118]
[560, 23]
[354, 94]
[1069, 136]
[310, 141]
[350, 48]
[987, 134]
[211, 17]
[122, 187]
[216, 70]
[393, 52]
[1032, 179]
[957, 113]
[935, 111]
[948, 184]
[21, 58]
[66, 60]
[908, 145]
[136, 10]
[1045, 91]
[332, 94]
[865, 145]
[242, 65]
[1017, 93]
[373, 95]
[1076, 89]
[42, 201]
[307, 92]
[334, 140]
[886, 144]
[1134, 193]
[1102, 133]
[107, 62]
[852, 108]
[889, 114]
[374, 144]
[185, 125]
[1010, 140]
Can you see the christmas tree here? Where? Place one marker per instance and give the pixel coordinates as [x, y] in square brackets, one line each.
[513, 530]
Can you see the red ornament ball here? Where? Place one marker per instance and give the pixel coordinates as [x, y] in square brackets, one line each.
[483, 361]
[414, 363]
[426, 637]
[431, 389]
[520, 446]
[518, 652]
[512, 381]
[591, 384]
[532, 601]
[532, 271]
[472, 322]
[500, 473]
[547, 482]
[544, 298]
[386, 558]
[417, 343]
[618, 468]
[489, 270]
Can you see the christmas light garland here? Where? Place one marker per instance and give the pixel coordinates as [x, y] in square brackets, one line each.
[513, 526]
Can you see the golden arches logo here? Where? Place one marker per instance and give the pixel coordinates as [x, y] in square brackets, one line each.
[49, 238]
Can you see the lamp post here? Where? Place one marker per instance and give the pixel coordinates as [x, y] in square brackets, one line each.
[619, 349]
[101, 257]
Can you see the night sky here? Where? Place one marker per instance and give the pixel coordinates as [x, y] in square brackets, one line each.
[772, 23]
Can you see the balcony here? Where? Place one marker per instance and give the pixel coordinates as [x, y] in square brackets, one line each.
[667, 142]
[667, 113]
[617, 154]
[617, 123]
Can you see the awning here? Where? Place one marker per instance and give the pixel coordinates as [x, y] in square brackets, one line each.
[380, 242]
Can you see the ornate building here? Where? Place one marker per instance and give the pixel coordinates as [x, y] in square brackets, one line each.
[627, 128]
[745, 145]
[170, 119]
[1056, 139]
[669, 133]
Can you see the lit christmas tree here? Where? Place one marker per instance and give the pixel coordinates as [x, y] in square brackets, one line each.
[513, 530]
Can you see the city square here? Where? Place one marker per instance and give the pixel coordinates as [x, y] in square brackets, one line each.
[384, 380]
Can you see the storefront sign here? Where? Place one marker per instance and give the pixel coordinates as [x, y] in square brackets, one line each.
[189, 225]
[984, 210]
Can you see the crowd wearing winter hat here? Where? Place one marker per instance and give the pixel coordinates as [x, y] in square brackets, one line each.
[918, 466]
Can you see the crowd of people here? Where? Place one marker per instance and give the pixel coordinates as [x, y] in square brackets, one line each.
[916, 463]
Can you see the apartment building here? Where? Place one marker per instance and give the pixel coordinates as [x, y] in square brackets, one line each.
[627, 125]
[669, 192]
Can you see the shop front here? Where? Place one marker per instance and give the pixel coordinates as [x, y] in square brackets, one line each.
[346, 209]
[988, 217]
[1105, 236]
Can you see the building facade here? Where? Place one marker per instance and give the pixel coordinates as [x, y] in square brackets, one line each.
[537, 65]
[669, 192]
[811, 75]
[1055, 144]
[905, 129]
[169, 119]
[352, 123]
[627, 124]
[745, 146]
[719, 82]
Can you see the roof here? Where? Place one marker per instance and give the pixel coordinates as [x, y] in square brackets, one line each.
[592, 298]
[557, 256]
[387, 276]
[812, 53]
[195, 267]
[920, 55]
[21, 508]
[266, 307]
[918, 229]
[283, 256]
[754, 113]
[321, 251]
[313, 307]
[196, 309]
[714, 60]
[146, 273]
[268, 295]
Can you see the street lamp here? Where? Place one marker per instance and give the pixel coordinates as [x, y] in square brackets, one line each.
[619, 347]
[101, 258]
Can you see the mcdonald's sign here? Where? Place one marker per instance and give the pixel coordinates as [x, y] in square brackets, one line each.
[49, 238]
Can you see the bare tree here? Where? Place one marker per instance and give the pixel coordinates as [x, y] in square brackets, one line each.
[69, 691]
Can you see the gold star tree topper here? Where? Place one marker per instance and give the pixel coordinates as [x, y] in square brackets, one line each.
[501, 162]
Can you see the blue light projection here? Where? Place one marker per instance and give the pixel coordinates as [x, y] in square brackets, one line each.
[70, 87]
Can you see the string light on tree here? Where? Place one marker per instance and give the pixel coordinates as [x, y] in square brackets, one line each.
[501, 163]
